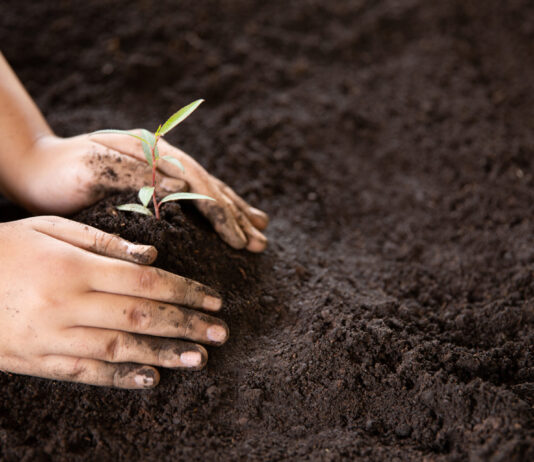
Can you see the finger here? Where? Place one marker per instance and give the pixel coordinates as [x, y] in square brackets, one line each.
[217, 212]
[137, 315]
[123, 278]
[256, 241]
[120, 347]
[90, 372]
[223, 221]
[95, 240]
[258, 218]
[198, 180]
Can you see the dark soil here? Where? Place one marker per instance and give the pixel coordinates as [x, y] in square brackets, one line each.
[392, 143]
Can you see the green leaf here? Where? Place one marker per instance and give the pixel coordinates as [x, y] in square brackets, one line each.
[145, 140]
[134, 208]
[151, 140]
[174, 161]
[145, 193]
[181, 196]
[148, 154]
[118, 132]
[180, 116]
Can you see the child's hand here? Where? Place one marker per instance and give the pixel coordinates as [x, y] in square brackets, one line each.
[65, 175]
[81, 305]
[48, 174]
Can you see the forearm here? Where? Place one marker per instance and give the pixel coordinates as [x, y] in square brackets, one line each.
[21, 124]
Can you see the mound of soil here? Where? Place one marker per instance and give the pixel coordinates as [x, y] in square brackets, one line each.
[392, 143]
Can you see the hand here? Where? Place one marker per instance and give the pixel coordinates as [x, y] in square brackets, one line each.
[81, 305]
[66, 174]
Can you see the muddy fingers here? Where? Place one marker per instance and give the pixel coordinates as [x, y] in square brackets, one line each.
[121, 347]
[256, 241]
[235, 221]
[123, 278]
[94, 240]
[137, 315]
[224, 222]
[259, 219]
[76, 312]
[100, 373]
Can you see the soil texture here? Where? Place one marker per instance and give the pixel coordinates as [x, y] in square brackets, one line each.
[392, 144]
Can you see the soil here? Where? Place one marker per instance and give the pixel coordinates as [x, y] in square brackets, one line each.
[392, 143]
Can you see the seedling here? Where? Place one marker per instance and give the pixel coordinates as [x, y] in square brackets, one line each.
[149, 141]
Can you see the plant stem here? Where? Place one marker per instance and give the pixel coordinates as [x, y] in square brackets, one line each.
[154, 200]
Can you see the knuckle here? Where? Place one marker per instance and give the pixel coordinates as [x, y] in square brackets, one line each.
[78, 371]
[160, 352]
[187, 323]
[146, 278]
[104, 241]
[188, 293]
[114, 348]
[140, 317]
[192, 293]
[121, 374]
[48, 303]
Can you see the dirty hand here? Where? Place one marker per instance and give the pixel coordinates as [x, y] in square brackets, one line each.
[72, 173]
[52, 175]
[82, 305]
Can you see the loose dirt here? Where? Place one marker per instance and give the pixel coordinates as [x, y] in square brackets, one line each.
[392, 143]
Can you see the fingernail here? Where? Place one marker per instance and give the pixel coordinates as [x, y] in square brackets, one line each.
[216, 333]
[212, 303]
[170, 185]
[144, 380]
[191, 358]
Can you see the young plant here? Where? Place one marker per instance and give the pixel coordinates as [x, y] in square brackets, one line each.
[149, 142]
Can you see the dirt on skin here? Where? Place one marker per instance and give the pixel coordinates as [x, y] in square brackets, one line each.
[392, 143]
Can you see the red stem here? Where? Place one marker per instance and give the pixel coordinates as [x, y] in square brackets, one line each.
[154, 200]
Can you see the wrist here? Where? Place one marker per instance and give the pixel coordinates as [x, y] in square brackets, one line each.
[27, 171]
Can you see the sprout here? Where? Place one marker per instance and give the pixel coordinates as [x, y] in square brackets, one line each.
[149, 142]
